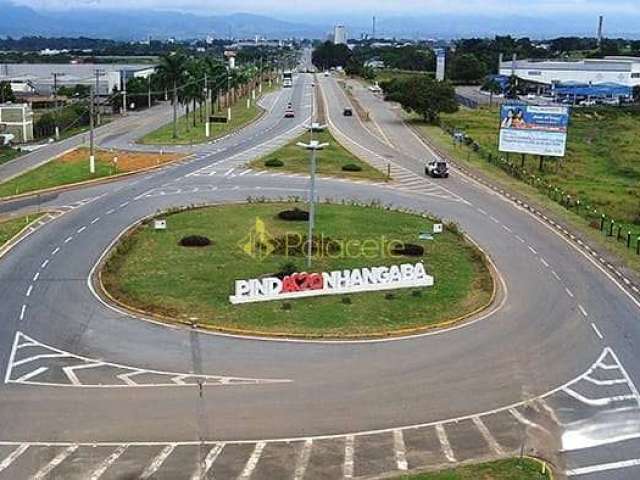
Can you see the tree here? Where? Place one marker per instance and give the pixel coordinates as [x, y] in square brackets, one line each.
[329, 55]
[171, 70]
[423, 95]
[467, 68]
[6, 93]
[512, 87]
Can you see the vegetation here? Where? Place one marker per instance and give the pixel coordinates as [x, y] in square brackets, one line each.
[422, 95]
[203, 278]
[6, 93]
[329, 55]
[329, 161]
[521, 469]
[7, 154]
[9, 227]
[74, 167]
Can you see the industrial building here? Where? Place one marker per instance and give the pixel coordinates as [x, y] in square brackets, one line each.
[340, 35]
[30, 79]
[608, 77]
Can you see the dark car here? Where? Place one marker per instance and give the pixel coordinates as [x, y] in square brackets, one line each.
[437, 169]
[347, 112]
[289, 113]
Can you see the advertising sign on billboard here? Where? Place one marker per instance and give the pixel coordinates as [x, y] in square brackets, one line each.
[534, 130]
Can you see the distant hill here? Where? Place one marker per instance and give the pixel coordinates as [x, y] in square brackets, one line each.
[17, 21]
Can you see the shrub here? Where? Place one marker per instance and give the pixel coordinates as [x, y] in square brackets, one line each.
[274, 162]
[195, 241]
[351, 167]
[286, 306]
[409, 250]
[295, 215]
[346, 300]
[286, 269]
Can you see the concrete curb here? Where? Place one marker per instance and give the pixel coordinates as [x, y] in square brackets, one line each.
[27, 230]
[102, 292]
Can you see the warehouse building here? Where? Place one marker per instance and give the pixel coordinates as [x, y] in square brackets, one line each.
[30, 79]
[16, 119]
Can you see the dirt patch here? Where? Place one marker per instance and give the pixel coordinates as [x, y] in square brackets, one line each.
[127, 161]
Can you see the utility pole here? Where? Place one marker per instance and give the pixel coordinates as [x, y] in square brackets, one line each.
[228, 98]
[99, 73]
[149, 92]
[124, 93]
[175, 109]
[92, 158]
[55, 102]
[207, 126]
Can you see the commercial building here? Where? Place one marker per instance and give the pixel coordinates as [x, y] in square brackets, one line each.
[16, 119]
[40, 78]
[340, 35]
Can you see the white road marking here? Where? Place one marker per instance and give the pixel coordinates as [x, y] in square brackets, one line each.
[57, 460]
[107, 462]
[206, 465]
[444, 443]
[157, 462]
[632, 386]
[109, 212]
[70, 372]
[583, 311]
[124, 204]
[229, 172]
[303, 460]
[569, 292]
[525, 421]
[400, 451]
[252, 462]
[347, 468]
[556, 276]
[605, 383]
[31, 374]
[494, 219]
[29, 290]
[490, 439]
[597, 402]
[44, 264]
[81, 229]
[22, 311]
[544, 262]
[520, 239]
[13, 456]
[603, 467]
[595, 329]
[244, 173]
[36, 276]
[55, 251]
[507, 228]
[68, 239]
[533, 250]
[95, 220]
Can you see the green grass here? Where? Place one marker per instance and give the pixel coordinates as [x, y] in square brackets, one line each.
[524, 469]
[602, 166]
[150, 271]
[9, 228]
[328, 161]
[188, 134]
[8, 154]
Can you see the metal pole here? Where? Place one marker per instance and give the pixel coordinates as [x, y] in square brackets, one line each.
[55, 105]
[149, 91]
[207, 127]
[92, 158]
[312, 207]
[175, 109]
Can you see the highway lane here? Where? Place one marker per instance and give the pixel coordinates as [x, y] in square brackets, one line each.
[536, 342]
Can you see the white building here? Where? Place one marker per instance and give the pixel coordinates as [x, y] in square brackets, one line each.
[17, 119]
[339, 35]
[619, 70]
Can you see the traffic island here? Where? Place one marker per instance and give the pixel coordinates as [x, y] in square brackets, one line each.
[511, 469]
[374, 272]
[334, 160]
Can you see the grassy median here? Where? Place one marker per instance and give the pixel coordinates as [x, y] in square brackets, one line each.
[9, 227]
[151, 271]
[73, 167]
[516, 469]
[330, 161]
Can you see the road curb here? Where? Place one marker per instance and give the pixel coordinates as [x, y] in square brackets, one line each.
[27, 230]
[628, 285]
[101, 291]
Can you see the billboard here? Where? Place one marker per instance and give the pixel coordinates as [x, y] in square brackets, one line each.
[534, 130]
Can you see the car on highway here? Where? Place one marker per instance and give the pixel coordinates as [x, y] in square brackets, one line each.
[437, 169]
[289, 113]
[347, 112]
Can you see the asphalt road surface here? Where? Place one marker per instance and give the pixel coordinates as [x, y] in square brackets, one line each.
[90, 392]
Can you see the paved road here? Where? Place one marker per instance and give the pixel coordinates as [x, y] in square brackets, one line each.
[90, 392]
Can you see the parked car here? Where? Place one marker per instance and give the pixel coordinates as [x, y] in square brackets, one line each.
[437, 169]
[347, 112]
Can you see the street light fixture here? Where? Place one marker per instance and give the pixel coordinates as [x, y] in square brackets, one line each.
[313, 146]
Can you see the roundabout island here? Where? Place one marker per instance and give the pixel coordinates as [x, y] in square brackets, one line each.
[161, 272]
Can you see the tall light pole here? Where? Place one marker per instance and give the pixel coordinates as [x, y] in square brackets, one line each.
[99, 73]
[92, 158]
[55, 102]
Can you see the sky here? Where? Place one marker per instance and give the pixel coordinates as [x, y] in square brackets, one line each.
[297, 9]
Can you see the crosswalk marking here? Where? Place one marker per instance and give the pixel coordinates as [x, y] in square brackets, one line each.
[13, 456]
[205, 466]
[107, 462]
[493, 443]
[400, 450]
[57, 460]
[444, 443]
[157, 462]
[252, 462]
[347, 469]
[303, 459]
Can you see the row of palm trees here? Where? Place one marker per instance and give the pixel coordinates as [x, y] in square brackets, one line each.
[191, 81]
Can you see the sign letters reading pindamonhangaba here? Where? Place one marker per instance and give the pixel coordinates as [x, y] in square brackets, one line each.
[534, 130]
[300, 285]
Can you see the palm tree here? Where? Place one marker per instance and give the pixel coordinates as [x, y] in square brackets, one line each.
[172, 69]
[216, 77]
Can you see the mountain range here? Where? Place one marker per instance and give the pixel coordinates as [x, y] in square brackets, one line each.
[18, 21]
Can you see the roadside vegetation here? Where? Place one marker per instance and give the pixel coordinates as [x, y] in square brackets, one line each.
[334, 160]
[73, 167]
[203, 278]
[515, 469]
[8, 154]
[9, 227]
